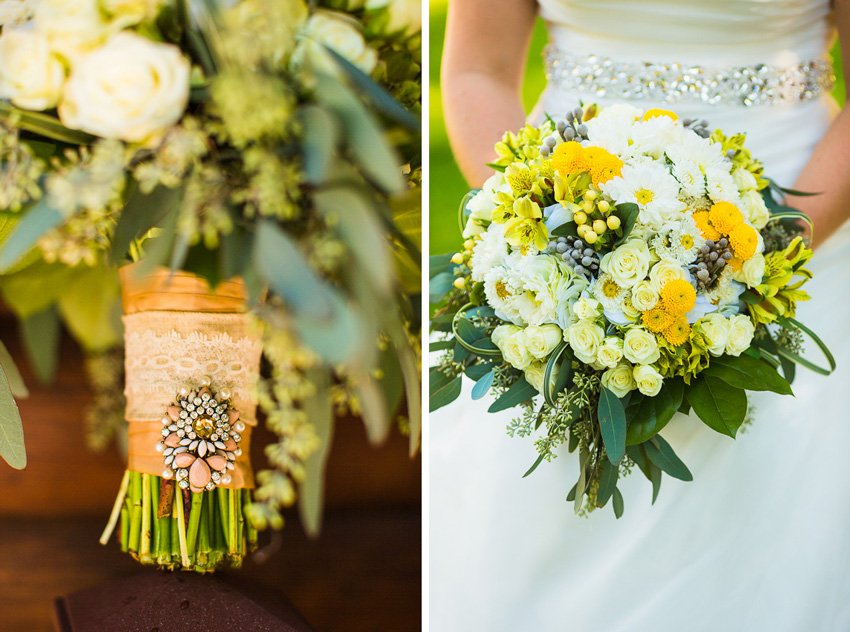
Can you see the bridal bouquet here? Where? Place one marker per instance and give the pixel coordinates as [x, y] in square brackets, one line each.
[258, 163]
[619, 267]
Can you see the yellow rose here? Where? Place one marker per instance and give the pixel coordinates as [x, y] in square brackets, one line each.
[610, 352]
[515, 352]
[755, 209]
[648, 380]
[741, 332]
[666, 270]
[502, 333]
[339, 32]
[744, 180]
[405, 16]
[541, 340]
[587, 308]
[619, 380]
[715, 330]
[534, 374]
[71, 26]
[640, 347]
[584, 338]
[30, 75]
[129, 12]
[644, 296]
[131, 88]
[628, 264]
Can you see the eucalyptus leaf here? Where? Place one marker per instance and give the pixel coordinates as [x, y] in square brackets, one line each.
[441, 345]
[534, 467]
[319, 143]
[519, 392]
[311, 490]
[34, 224]
[45, 125]
[91, 308]
[655, 477]
[439, 286]
[444, 394]
[142, 212]
[483, 385]
[40, 335]
[37, 287]
[662, 455]
[653, 413]
[438, 264]
[11, 431]
[373, 407]
[607, 484]
[748, 373]
[477, 371]
[618, 504]
[612, 425]
[719, 405]
[13, 375]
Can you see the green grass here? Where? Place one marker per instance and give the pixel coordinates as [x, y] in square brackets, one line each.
[447, 185]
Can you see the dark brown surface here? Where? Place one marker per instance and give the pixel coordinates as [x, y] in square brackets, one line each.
[362, 574]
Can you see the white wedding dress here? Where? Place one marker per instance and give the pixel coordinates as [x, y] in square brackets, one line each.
[760, 540]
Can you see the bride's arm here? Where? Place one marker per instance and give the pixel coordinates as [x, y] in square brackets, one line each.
[483, 63]
[828, 170]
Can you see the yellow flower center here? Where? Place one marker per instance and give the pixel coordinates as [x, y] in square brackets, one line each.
[687, 242]
[644, 196]
[502, 290]
[610, 288]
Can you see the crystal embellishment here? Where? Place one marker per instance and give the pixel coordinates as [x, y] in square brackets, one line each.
[758, 84]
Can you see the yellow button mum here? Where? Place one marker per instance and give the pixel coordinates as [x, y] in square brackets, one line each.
[655, 112]
[678, 296]
[569, 158]
[602, 165]
[744, 240]
[656, 319]
[678, 332]
[725, 217]
[708, 231]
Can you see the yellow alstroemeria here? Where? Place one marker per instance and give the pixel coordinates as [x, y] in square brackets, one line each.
[527, 228]
[504, 210]
[779, 296]
[523, 180]
[572, 187]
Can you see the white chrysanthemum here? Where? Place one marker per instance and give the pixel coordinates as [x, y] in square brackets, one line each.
[726, 291]
[721, 187]
[489, 251]
[687, 171]
[707, 154]
[682, 243]
[482, 205]
[566, 292]
[652, 137]
[501, 295]
[650, 186]
[612, 128]
[608, 292]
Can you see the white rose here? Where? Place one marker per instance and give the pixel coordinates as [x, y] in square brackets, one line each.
[741, 332]
[404, 15]
[340, 33]
[715, 330]
[15, 11]
[71, 26]
[132, 11]
[610, 352]
[515, 352]
[744, 180]
[481, 211]
[664, 271]
[131, 88]
[755, 209]
[542, 340]
[619, 380]
[534, 374]
[648, 380]
[584, 339]
[640, 347]
[587, 308]
[752, 271]
[628, 264]
[644, 296]
[30, 75]
[502, 333]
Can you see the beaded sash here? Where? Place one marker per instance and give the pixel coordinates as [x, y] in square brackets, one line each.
[758, 84]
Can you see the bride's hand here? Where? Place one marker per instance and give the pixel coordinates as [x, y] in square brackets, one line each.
[828, 170]
[483, 64]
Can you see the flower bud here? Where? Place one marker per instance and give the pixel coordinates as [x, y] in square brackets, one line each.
[459, 283]
[613, 222]
[591, 237]
[599, 226]
[580, 218]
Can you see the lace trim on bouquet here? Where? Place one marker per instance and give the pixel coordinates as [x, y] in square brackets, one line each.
[165, 350]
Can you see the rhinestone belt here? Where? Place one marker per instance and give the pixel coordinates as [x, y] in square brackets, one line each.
[759, 84]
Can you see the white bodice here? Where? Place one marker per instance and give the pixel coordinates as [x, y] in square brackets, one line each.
[708, 32]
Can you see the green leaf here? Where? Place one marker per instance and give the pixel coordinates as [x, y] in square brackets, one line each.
[441, 345]
[720, 406]
[534, 467]
[40, 335]
[655, 477]
[439, 286]
[653, 413]
[45, 125]
[444, 394]
[373, 407]
[607, 483]
[438, 264]
[142, 212]
[519, 392]
[34, 224]
[91, 308]
[618, 504]
[791, 324]
[16, 382]
[11, 430]
[321, 316]
[477, 371]
[235, 252]
[321, 137]
[158, 250]
[483, 385]
[662, 455]
[637, 453]
[629, 214]
[311, 490]
[467, 331]
[612, 425]
[748, 373]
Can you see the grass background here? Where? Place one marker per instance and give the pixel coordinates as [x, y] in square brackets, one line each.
[447, 186]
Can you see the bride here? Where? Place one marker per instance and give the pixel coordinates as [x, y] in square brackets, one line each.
[760, 540]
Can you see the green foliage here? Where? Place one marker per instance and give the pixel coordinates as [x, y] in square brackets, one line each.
[612, 425]
[444, 389]
[35, 223]
[11, 431]
[519, 392]
[748, 373]
[721, 406]
[312, 488]
[648, 415]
